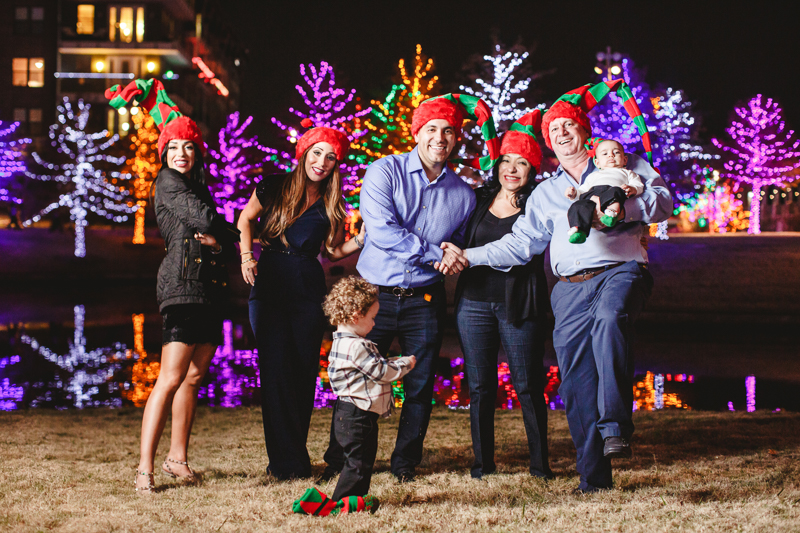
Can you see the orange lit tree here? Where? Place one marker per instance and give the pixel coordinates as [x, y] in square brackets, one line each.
[143, 165]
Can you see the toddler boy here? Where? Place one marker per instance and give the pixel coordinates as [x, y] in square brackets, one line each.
[361, 378]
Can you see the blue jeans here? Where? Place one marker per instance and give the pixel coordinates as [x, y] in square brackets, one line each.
[418, 324]
[482, 326]
[592, 338]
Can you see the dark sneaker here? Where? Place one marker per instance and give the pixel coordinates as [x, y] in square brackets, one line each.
[327, 475]
[616, 448]
[406, 476]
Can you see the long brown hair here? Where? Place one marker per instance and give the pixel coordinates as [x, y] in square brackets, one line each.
[287, 205]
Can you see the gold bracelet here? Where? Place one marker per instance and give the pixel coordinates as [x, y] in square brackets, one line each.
[251, 260]
[242, 253]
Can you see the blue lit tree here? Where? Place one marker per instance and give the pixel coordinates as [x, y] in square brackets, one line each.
[11, 161]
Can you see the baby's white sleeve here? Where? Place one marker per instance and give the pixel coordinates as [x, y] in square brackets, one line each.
[635, 181]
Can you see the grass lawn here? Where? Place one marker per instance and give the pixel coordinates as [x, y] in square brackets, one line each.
[694, 471]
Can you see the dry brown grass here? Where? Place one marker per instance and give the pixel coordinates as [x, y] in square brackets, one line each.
[73, 471]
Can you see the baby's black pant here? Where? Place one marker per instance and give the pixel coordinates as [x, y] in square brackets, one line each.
[581, 211]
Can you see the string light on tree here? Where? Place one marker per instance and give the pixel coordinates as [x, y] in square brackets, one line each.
[762, 151]
[93, 190]
[236, 166]
[502, 80]
[333, 107]
[143, 165]
[715, 208]
[11, 160]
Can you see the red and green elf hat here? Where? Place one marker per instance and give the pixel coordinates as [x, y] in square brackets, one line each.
[337, 139]
[454, 108]
[151, 95]
[578, 102]
[520, 138]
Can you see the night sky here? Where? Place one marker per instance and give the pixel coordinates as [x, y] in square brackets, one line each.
[718, 54]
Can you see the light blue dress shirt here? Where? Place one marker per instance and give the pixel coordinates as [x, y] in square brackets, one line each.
[545, 220]
[407, 218]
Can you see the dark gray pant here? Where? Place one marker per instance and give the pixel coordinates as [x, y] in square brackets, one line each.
[356, 432]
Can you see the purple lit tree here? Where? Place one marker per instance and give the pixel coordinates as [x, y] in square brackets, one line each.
[93, 190]
[236, 165]
[333, 107]
[11, 162]
[763, 152]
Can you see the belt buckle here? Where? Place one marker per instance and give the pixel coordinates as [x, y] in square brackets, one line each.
[400, 292]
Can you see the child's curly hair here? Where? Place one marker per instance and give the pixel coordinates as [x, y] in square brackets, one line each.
[349, 296]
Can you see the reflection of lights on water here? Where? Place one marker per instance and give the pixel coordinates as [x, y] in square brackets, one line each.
[10, 395]
[750, 389]
[87, 371]
[649, 395]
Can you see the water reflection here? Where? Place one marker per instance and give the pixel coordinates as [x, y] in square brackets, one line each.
[35, 374]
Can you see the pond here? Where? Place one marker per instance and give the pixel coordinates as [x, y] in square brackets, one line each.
[100, 348]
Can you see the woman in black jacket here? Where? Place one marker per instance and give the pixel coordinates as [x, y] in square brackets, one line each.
[192, 292]
[494, 307]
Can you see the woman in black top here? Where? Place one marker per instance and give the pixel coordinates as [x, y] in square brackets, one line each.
[299, 213]
[494, 307]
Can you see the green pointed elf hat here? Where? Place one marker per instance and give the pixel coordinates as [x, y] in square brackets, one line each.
[151, 95]
[576, 103]
[472, 108]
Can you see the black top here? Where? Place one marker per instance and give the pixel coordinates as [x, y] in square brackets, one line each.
[190, 273]
[526, 294]
[483, 283]
[306, 235]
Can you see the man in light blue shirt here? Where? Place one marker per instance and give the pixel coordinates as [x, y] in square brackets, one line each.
[411, 203]
[603, 286]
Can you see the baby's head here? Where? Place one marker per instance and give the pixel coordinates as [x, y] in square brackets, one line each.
[610, 154]
[352, 302]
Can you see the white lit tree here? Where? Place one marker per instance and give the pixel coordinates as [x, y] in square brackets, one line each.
[503, 80]
[91, 189]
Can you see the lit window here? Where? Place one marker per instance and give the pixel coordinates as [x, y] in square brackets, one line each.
[20, 115]
[112, 24]
[139, 24]
[20, 72]
[21, 13]
[126, 24]
[36, 72]
[85, 19]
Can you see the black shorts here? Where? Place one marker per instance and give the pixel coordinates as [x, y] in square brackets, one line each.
[191, 324]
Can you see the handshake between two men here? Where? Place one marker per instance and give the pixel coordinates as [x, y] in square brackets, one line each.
[454, 259]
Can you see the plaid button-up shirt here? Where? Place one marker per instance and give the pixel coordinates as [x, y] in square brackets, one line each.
[361, 375]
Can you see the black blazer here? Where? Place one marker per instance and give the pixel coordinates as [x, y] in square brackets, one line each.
[527, 296]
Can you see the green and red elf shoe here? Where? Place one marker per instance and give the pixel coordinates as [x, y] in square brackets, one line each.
[316, 503]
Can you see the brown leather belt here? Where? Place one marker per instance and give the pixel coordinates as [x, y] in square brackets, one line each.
[588, 274]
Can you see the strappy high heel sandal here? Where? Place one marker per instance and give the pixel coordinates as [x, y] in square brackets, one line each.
[150, 486]
[167, 471]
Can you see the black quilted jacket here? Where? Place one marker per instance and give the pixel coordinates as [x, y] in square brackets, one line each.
[190, 273]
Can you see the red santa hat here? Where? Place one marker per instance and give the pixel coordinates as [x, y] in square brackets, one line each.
[438, 108]
[336, 138]
[520, 138]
